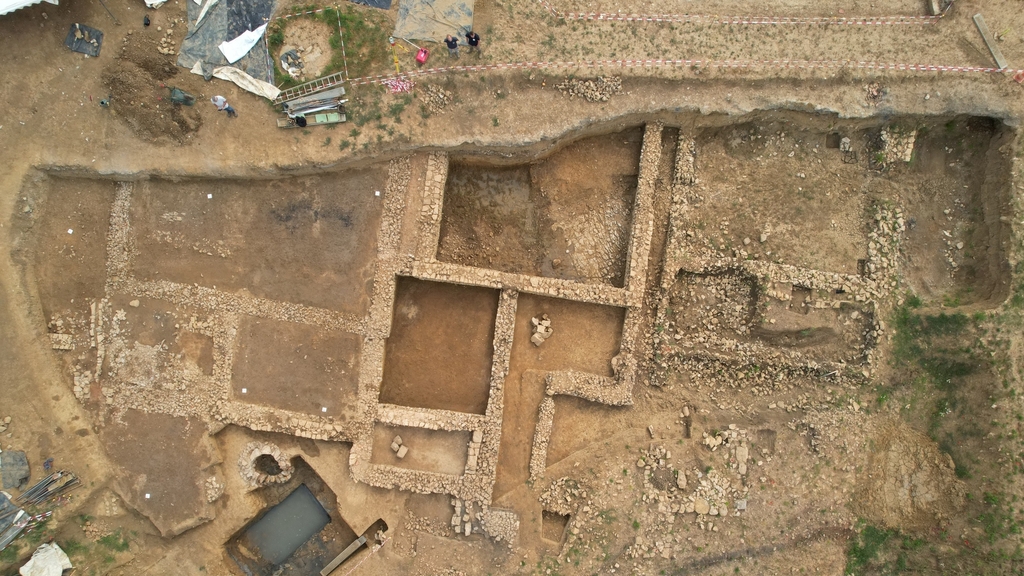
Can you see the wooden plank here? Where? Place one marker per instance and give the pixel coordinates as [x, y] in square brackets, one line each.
[343, 556]
[979, 21]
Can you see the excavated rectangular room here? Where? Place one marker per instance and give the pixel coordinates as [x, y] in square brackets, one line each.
[442, 340]
[296, 367]
[566, 215]
[308, 240]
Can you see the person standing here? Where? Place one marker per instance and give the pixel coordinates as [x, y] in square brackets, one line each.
[453, 46]
[222, 105]
[473, 39]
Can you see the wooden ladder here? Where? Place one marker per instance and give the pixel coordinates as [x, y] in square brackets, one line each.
[310, 87]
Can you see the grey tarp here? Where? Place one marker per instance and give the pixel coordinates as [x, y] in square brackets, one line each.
[434, 19]
[14, 470]
[225, 21]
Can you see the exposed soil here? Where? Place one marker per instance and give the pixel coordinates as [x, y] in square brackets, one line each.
[901, 456]
[565, 216]
[313, 38]
[585, 338]
[149, 451]
[439, 451]
[297, 367]
[439, 352]
[138, 84]
[68, 245]
[308, 240]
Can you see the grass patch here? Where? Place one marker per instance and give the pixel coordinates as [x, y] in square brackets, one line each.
[364, 34]
[864, 553]
[9, 555]
[997, 520]
[115, 541]
[73, 547]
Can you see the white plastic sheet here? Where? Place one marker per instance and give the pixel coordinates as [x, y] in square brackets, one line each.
[12, 5]
[47, 560]
[233, 50]
[242, 80]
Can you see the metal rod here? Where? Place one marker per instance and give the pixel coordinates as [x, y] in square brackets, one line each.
[341, 36]
[109, 12]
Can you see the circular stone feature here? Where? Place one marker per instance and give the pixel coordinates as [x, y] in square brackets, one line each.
[261, 464]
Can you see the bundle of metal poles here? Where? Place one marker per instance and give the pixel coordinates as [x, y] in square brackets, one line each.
[52, 486]
[327, 100]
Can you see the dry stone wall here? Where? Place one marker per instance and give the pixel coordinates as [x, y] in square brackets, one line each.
[218, 314]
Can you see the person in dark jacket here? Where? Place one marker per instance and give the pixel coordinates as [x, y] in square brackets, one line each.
[473, 39]
[453, 46]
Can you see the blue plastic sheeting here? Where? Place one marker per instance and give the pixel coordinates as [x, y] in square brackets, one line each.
[382, 4]
[432, 20]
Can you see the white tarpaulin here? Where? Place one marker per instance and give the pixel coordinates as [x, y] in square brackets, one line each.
[154, 3]
[12, 5]
[243, 80]
[47, 560]
[235, 49]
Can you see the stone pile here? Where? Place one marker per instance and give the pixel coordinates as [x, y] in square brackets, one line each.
[875, 92]
[214, 489]
[436, 98]
[5, 423]
[599, 90]
[541, 329]
[398, 447]
[502, 525]
[884, 243]
[897, 144]
[62, 341]
[167, 42]
[685, 173]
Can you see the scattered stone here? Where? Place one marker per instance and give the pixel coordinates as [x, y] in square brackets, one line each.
[402, 451]
[599, 90]
[134, 303]
[701, 506]
[437, 98]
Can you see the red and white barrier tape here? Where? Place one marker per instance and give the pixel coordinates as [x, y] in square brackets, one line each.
[741, 20]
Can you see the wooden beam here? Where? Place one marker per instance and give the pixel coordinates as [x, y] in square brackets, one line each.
[343, 556]
[979, 21]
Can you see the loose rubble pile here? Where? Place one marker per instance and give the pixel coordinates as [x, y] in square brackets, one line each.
[875, 93]
[436, 99]
[541, 329]
[599, 90]
[897, 145]
[214, 489]
[167, 45]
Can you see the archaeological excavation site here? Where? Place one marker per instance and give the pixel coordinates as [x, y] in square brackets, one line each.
[660, 288]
